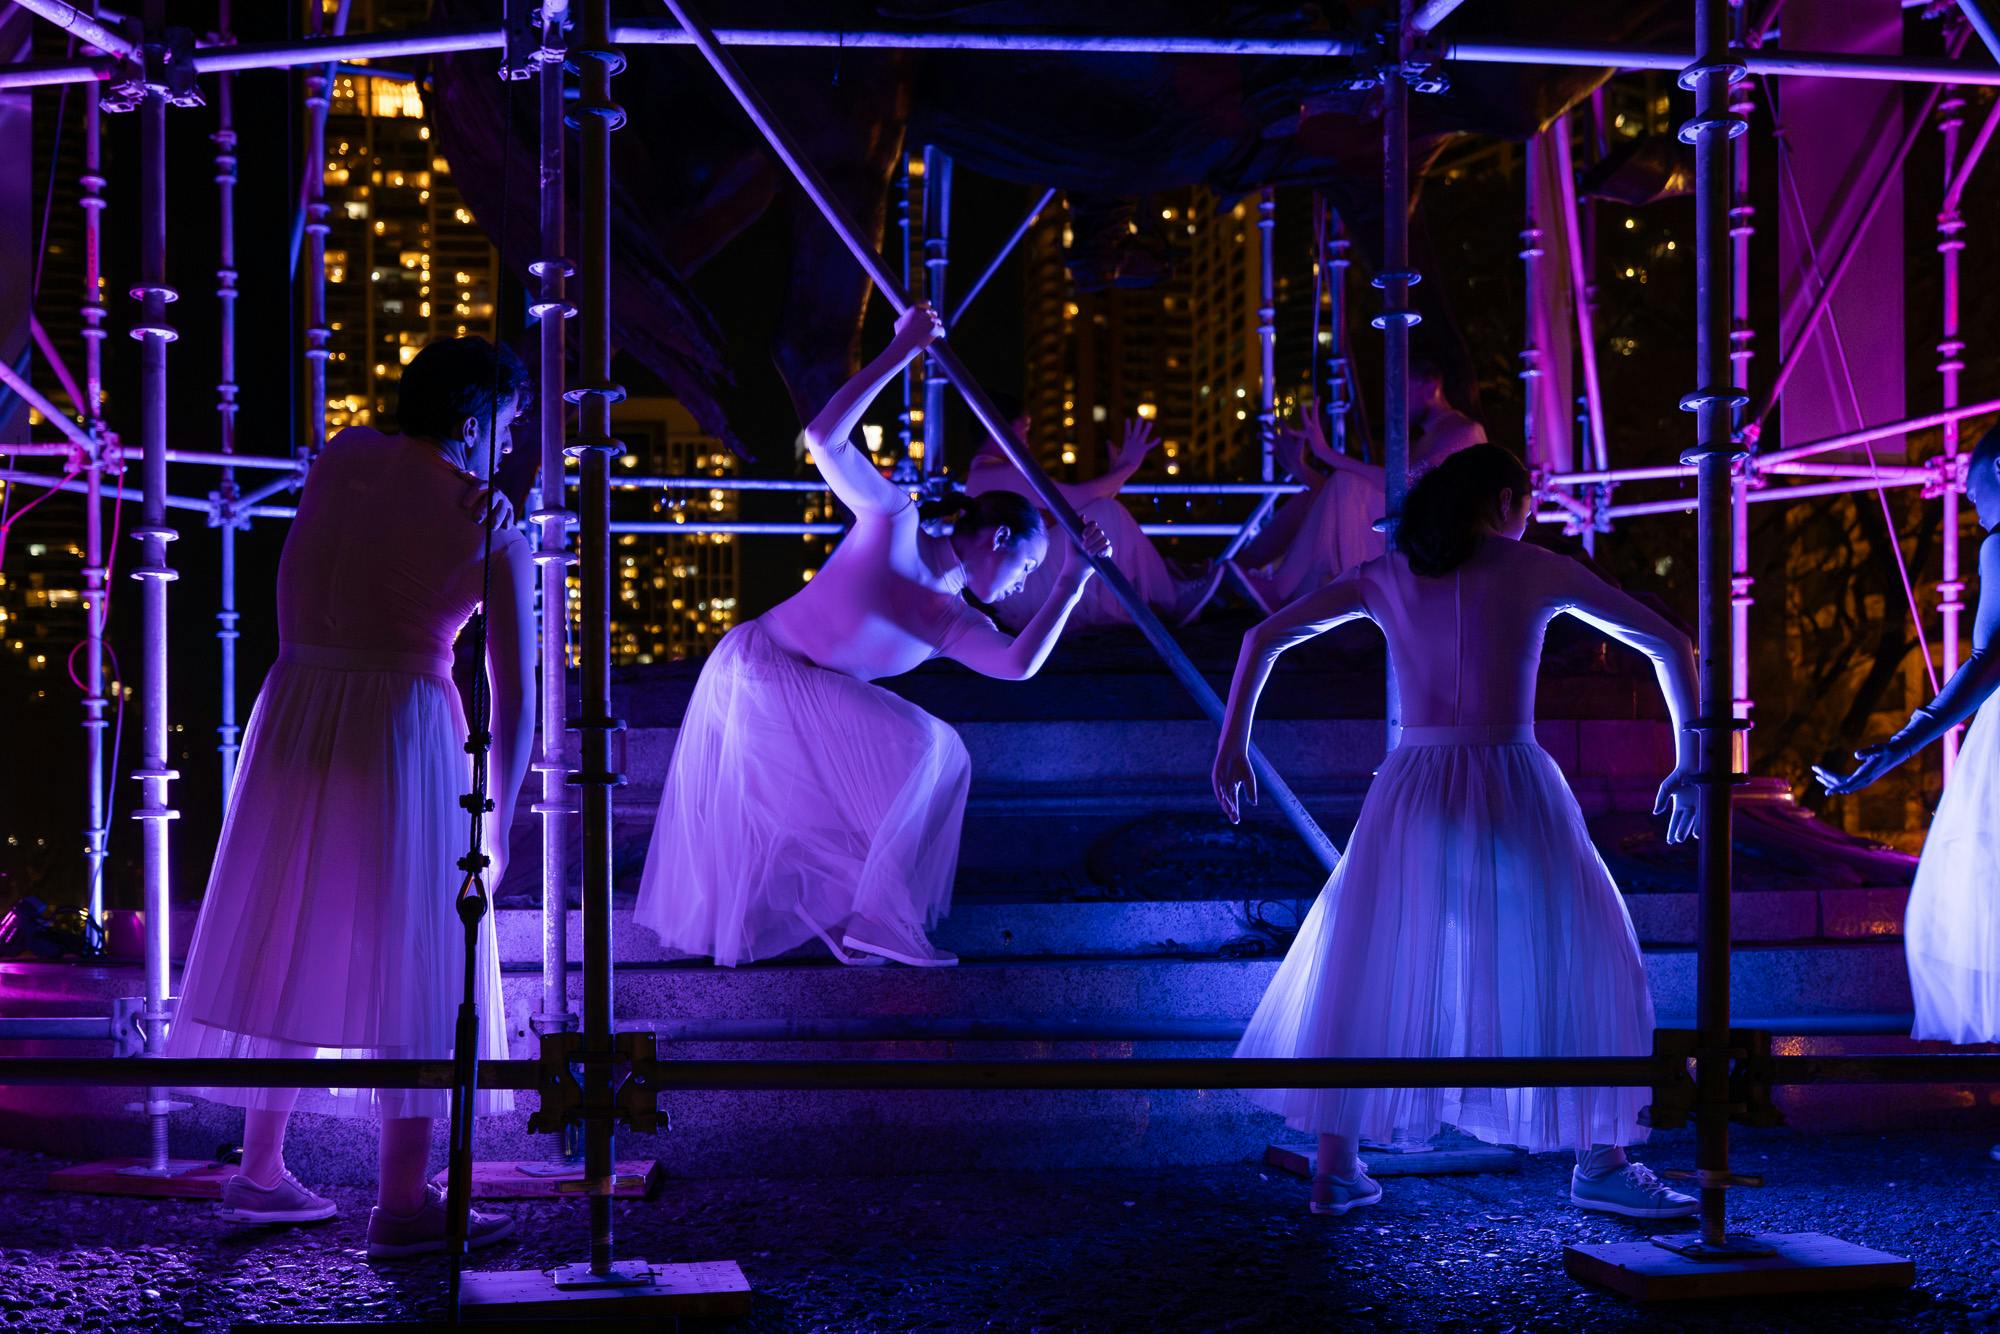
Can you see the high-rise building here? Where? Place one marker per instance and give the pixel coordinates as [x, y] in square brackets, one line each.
[406, 261]
[1183, 352]
[676, 595]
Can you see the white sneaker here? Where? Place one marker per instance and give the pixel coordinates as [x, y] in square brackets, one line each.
[899, 941]
[1334, 1195]
[244, 1201]
[394, 1236]
[1633, 1191]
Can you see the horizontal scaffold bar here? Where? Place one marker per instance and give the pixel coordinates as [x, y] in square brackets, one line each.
[1490, 50]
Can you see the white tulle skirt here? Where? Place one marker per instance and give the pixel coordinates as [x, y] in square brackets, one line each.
[1951, 930]
[1471, 916]
[329, 926]
[797, 787]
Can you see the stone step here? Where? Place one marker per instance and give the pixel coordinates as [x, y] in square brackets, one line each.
[979, 930]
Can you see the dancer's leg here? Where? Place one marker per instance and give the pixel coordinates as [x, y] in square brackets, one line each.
[401, 1162]
[1276, 538]
[264, 1140]
[1337, 1155]
[1601, 1160]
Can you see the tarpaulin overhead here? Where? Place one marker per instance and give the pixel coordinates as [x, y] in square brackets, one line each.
[1841, 138]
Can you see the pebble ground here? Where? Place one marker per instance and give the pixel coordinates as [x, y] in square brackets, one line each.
[1219, 1248]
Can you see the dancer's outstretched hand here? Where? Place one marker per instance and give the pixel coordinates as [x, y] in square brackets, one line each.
[1679, 801]
[917, 328]
[1315, 437]
[1875, 762]
[1231, 776]
[1138, 442]
[1289, 447]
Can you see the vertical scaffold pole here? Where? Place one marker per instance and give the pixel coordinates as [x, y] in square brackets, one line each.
[1267, 337]
[552, 554]
[1333, 264]
[1531, 253]
[155, 772]
[1951, 354]
[597, 116]
[937, 253]
[1713, 401]
[1742, 230]
[905, 187]
[226, 493]
[1396, 317]
[95, 574]
[318, 82]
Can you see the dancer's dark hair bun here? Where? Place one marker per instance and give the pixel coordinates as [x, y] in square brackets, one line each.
[1441, 515]
[956, 512]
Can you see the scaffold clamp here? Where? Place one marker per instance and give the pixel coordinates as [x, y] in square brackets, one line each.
[164, 66]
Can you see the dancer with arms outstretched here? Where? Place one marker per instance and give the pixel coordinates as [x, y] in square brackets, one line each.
[1951, 928]
[803, 799]
[1470, 916]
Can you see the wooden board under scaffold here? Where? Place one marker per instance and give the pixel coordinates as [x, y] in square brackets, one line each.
[1799, 1262]
[711, 1288]
[507, 1179]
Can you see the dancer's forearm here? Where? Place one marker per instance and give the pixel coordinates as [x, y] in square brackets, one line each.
[1038, 637]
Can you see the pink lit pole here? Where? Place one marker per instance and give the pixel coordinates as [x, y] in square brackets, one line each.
[1742, 230]
[554, 519]
[91, 197]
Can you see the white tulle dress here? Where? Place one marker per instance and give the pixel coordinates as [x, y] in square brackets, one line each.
[328, 927]
[796, 782]
[1951, 929]
[1470, 914]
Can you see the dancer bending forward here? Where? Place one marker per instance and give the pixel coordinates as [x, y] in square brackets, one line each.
[804, 800]
[328, 928]
[1471, 916]
[1951, 929]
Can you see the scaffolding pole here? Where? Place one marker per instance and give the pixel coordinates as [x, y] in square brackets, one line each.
[154, 773]
[1485, 50]
[597, 116]
[1950, 363]
[989, 418]
[553, 519]
[1267, 337]
[313, 207]
[1396, 318]
[95, 573]
[1742, 231]
[937, 259]
[1000, 257]
[226, 492]
[1713, 401]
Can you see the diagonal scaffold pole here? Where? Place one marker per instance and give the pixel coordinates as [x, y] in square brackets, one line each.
[989, 417]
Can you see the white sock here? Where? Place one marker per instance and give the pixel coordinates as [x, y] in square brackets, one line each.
[1601, 1161]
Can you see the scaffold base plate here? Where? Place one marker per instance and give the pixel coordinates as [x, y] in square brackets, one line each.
[706, 1288]
[1454, 1160]
[186, 1179]
[1799, 1262]
[507, 1179]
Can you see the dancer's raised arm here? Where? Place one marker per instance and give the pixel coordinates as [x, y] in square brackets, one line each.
[848, 471]
[1969, 687]
[992, 652]
[510, 674]
[1289, 626]
[1635, 625]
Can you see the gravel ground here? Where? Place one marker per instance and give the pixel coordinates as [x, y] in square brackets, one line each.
[1224, 1248]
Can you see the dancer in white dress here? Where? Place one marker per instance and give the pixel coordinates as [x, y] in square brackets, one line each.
[1470, 916]
[802, 798]
[328, 927]
[1175, 597]
[1332, 526]
[1951, 928]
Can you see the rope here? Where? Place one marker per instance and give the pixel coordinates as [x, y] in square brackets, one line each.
[1847, 380]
